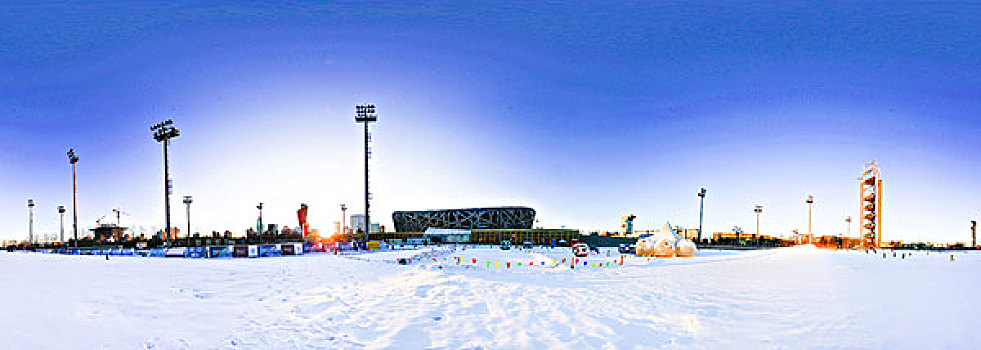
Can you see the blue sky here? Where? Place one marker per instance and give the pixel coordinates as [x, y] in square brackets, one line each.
[584, 111]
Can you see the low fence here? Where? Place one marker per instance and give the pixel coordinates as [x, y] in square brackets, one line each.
[209, 252]
[224, 251]
[605, 241]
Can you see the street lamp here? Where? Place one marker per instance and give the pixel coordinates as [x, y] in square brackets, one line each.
[61, 210]
[809, 201]
[30, 221]
[163, 132]
[259, 227]
[187, 201]
[72, 158]
[701, 207]
[343, 219]
[848, 222]
[366, 114]
[758, 209]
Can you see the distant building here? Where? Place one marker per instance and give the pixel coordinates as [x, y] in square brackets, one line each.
[470, 218]
[627, 224]
[442, 235]
[357, 224]
[108, 232]
[518, 236]
[667, 228]
[687, 233]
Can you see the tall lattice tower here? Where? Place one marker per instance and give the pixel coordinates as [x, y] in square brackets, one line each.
[870, 204]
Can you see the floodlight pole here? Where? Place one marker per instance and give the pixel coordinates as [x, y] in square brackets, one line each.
[758, 209]
[72, 158]
[167, 191]
[187, 201]
[810, 202]
[258, 232]
[163, 132]
[701, 207]
[61, 210]
[343, 219]
[30, 222]
[367, 194]
[366, 114]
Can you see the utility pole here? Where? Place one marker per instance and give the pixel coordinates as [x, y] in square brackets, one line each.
[163, 132]
[701, 207]
[72, 158]
[366, 114]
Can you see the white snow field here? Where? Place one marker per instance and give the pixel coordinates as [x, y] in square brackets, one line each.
[788, 298]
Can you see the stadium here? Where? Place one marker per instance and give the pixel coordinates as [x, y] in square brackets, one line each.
[465, 219]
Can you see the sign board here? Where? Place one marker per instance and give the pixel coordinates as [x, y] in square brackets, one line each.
[269, 250]
[178, 252]
[197, 252]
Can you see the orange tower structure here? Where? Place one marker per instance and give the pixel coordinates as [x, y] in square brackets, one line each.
[870, 204]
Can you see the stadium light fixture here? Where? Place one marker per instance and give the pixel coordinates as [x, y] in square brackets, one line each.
[366, 114]
[163, 132]
[72, 158]
[61, 211]
[30, 221]
[810, 202]
[701, 208]
[343, 219]
[258, 231]
[187, 201]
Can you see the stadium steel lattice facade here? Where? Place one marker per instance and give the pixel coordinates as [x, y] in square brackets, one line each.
[473, 218]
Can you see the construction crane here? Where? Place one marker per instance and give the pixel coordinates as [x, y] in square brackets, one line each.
[98, 222]
[118, 211]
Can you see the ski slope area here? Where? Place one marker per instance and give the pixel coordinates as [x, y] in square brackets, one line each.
[798, 297]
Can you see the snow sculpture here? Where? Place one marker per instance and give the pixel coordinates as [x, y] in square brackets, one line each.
[665, 243]
[686, 248]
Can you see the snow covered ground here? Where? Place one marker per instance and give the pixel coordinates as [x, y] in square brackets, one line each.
[798, 297]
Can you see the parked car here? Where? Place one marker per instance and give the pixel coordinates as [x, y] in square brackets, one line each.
[626, 248]
[528, 245]
[505, 245]
[580, 249]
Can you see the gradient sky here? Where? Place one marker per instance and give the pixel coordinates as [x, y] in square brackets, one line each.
[584, 111]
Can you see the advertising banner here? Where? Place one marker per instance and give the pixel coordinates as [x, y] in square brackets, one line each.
[178, 252]
[197, 252]
[220, 252]
[269, 250]
[241, 251]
